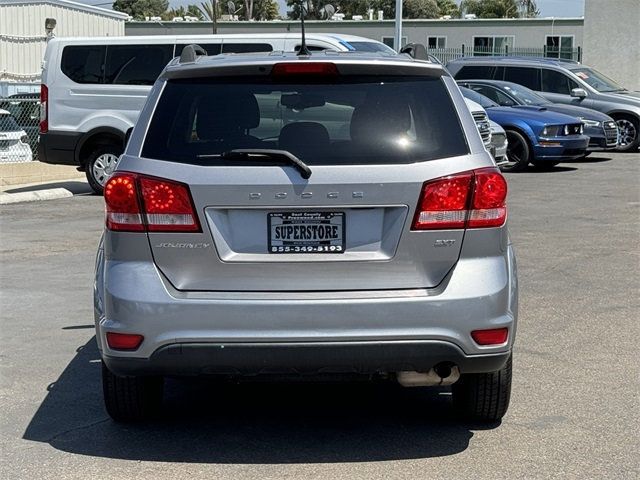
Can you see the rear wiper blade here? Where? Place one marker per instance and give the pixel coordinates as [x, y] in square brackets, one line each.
[259, 153]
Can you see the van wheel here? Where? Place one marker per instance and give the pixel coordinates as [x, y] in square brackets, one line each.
[629, 133]
[518, 152]
[131, 399]
[100, 165]
[483, 397]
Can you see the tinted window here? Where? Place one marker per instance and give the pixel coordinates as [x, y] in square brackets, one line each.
[470, 72]
[210, 48]
[136, 64]
[493, 94]
[557, 82]
[311, 48]
[526, 76]
[83, 64]
[370, 47]
[246, 47]
[357, 120]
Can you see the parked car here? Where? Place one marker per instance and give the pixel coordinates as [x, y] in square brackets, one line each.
[543, 139]
[482, 122]
[14, 142]
[499, 143]
[25, 108]
[562, 81]
[94, 88]
[299, 215]
[600, 128]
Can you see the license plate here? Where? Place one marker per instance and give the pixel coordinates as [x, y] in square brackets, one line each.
[306, 232]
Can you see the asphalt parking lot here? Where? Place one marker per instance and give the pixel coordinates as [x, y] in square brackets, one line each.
[575, 410]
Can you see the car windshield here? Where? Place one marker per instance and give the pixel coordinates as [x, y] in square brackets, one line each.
[476, 97]
[524, 95]
[331, 120]
[8, 123]
[597, 80]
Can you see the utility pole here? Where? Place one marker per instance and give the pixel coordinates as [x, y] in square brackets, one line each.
[398, 34]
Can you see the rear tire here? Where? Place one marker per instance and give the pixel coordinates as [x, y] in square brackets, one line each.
[100, 165]
[131, 399]
[518, 152]
[483, 397]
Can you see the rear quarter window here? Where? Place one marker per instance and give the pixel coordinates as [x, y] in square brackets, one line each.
[354, 120]
[470, 72]
[246, 47]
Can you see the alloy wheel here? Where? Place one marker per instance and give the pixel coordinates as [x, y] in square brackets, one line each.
[626, 132]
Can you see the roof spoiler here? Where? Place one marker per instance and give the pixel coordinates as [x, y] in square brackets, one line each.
[191, 52]
[415, 50]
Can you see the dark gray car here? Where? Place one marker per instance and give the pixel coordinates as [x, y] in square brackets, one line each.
[565, 82]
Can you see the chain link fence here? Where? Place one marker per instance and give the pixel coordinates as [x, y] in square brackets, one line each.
[19, 126]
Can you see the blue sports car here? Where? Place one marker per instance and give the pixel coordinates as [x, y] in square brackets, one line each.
[542, 138]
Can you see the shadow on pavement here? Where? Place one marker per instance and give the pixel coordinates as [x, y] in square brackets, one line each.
[214, 422]
[75, 187]
[590, 159]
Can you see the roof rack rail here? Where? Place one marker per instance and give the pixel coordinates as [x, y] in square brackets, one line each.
[191, 52]
[415, 50]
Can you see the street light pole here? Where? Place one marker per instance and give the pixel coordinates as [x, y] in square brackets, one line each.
[398, 33]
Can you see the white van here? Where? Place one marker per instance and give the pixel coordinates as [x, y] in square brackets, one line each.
[94, 88]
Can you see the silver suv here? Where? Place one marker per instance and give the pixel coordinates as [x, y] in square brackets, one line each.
[303, 215]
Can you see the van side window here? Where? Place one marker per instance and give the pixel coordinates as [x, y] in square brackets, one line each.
[525, 76]
[246, 47]
[311, 48]
[557, 82]
[471, 72]
[83, 64]
[136, 64]
[210, 48]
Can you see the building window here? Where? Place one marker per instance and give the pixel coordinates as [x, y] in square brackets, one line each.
[559, 46]
[388, 41]
[493, 45]
[437, 42]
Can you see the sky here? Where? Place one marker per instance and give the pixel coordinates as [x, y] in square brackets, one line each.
[548, 8]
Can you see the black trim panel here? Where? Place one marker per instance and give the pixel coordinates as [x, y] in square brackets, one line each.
[337, 357]
[58, 148]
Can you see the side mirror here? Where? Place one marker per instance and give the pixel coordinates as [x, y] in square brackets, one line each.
[578, 93]
[126, 138]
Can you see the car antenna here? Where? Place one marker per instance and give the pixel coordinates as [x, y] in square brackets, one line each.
[303, 45]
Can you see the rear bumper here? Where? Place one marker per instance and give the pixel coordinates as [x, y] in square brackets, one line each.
[58, 148]
[303, 358]
[188, 333]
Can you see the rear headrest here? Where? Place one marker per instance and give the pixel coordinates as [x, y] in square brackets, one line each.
[303, 135]
[376, 120]
[220, 115]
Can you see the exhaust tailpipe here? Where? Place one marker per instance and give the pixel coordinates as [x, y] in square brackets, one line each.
[441, 375]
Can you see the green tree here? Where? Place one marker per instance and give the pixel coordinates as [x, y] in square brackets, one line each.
[208, 8]
[411, 8]
[448, 7]
[491, 8]
[139, 9]
[420, 9]
[194, 11]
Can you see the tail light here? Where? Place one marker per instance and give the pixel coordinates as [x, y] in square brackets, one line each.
[494, 336]
[44, 108]
[305, 68]
[474, 199]
[136, 203]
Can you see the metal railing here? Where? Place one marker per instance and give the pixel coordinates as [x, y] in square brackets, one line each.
[447, 54]
[19, 127]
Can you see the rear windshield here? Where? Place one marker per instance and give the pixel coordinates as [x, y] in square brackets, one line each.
[353, 120]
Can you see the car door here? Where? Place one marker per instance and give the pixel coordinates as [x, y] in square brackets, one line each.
[556, 87]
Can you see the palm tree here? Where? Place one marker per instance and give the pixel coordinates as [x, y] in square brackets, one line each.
[210, 10]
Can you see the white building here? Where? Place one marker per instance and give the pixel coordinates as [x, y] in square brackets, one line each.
[23, 37]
